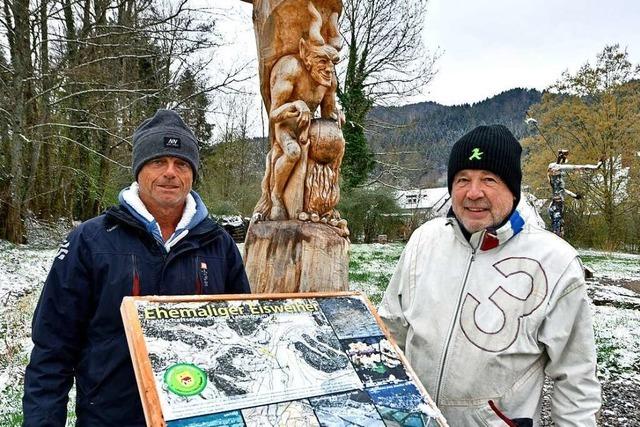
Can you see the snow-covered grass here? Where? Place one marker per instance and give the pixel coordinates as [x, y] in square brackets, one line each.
[618, 341]
[616, 310]
[613, 265]
[23, 270]
[371, 268]
[615, 291]
[22, 273]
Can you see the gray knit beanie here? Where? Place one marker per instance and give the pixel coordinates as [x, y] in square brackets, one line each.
[164, 134]
[492, 148]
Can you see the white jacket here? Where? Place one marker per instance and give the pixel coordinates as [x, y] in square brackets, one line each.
[485, 319]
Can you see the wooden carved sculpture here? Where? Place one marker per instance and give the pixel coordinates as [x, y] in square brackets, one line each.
[298, 46]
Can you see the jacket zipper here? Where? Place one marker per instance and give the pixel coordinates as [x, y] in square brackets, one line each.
[202, 277]
[179, 249]
[453, 326]
[165, 258]
[135, 291]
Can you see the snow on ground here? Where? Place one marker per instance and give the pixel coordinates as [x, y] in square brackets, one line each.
[605, 293]
[371, 267]
[21, 269]
[613, 265]
[618, 337]
[22, 273]
[615, 291]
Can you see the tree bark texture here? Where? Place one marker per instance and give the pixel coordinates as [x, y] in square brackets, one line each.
[294, 256]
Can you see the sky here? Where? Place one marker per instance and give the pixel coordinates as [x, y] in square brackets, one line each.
[489, 46]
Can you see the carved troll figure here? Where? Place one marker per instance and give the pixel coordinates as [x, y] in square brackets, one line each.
[302, 167]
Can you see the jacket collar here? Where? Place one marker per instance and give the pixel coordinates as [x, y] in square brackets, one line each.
[490, 238]
[118, 215]
[194, 213]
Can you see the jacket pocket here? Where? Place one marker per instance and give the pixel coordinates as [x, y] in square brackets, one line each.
[113, 279]
[98, 368]
[110, 393]
[202, 277]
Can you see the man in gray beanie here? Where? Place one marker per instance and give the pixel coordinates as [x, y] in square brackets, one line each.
[164, 134]
[158, 241]
[485, 304]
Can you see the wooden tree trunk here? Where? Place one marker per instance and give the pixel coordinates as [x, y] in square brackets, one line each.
[14, 228]
[21, 91]
[294, 256]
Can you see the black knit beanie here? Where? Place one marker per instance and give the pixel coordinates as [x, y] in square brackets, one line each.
[492, 148]
[165, 134]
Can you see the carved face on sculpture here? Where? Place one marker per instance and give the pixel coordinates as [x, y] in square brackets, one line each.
[319, 61]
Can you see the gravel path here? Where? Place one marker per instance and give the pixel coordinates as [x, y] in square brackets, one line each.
[620, 385]
[620, 402]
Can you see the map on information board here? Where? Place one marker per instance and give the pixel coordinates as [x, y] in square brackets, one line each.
[297, 360]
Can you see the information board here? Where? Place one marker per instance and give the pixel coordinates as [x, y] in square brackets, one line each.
[271, 360]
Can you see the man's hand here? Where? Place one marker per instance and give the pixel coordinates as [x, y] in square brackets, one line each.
[578, 196]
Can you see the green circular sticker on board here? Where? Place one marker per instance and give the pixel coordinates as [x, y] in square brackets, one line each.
[185, 379]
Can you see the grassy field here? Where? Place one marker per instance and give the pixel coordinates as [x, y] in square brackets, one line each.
[371, 268]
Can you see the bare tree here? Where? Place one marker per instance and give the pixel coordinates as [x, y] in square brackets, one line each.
[386, 61]
[235, 161]
[80, 75]
[386, 56]
[19, 114]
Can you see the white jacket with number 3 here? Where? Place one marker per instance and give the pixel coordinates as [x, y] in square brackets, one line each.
[485, 319]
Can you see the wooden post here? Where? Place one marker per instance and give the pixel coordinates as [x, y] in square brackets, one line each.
[298, 241]
[296, 256]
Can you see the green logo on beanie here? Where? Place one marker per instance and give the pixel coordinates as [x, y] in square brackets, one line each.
[476, 154]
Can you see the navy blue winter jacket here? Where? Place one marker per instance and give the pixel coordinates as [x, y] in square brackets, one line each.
[77, 328]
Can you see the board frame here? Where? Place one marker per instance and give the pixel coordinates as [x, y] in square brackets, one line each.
[142, 364]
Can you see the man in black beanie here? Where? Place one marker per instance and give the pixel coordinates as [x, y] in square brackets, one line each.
[492, 155]
[485, 304]
[158, 241]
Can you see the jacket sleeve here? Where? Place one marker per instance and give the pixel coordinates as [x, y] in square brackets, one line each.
[398, 295]
[567, 333]
[58, 335]
[236, 282]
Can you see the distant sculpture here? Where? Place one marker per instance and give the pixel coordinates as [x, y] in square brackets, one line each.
[555, 174]
[298, 53]
[297, 240]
